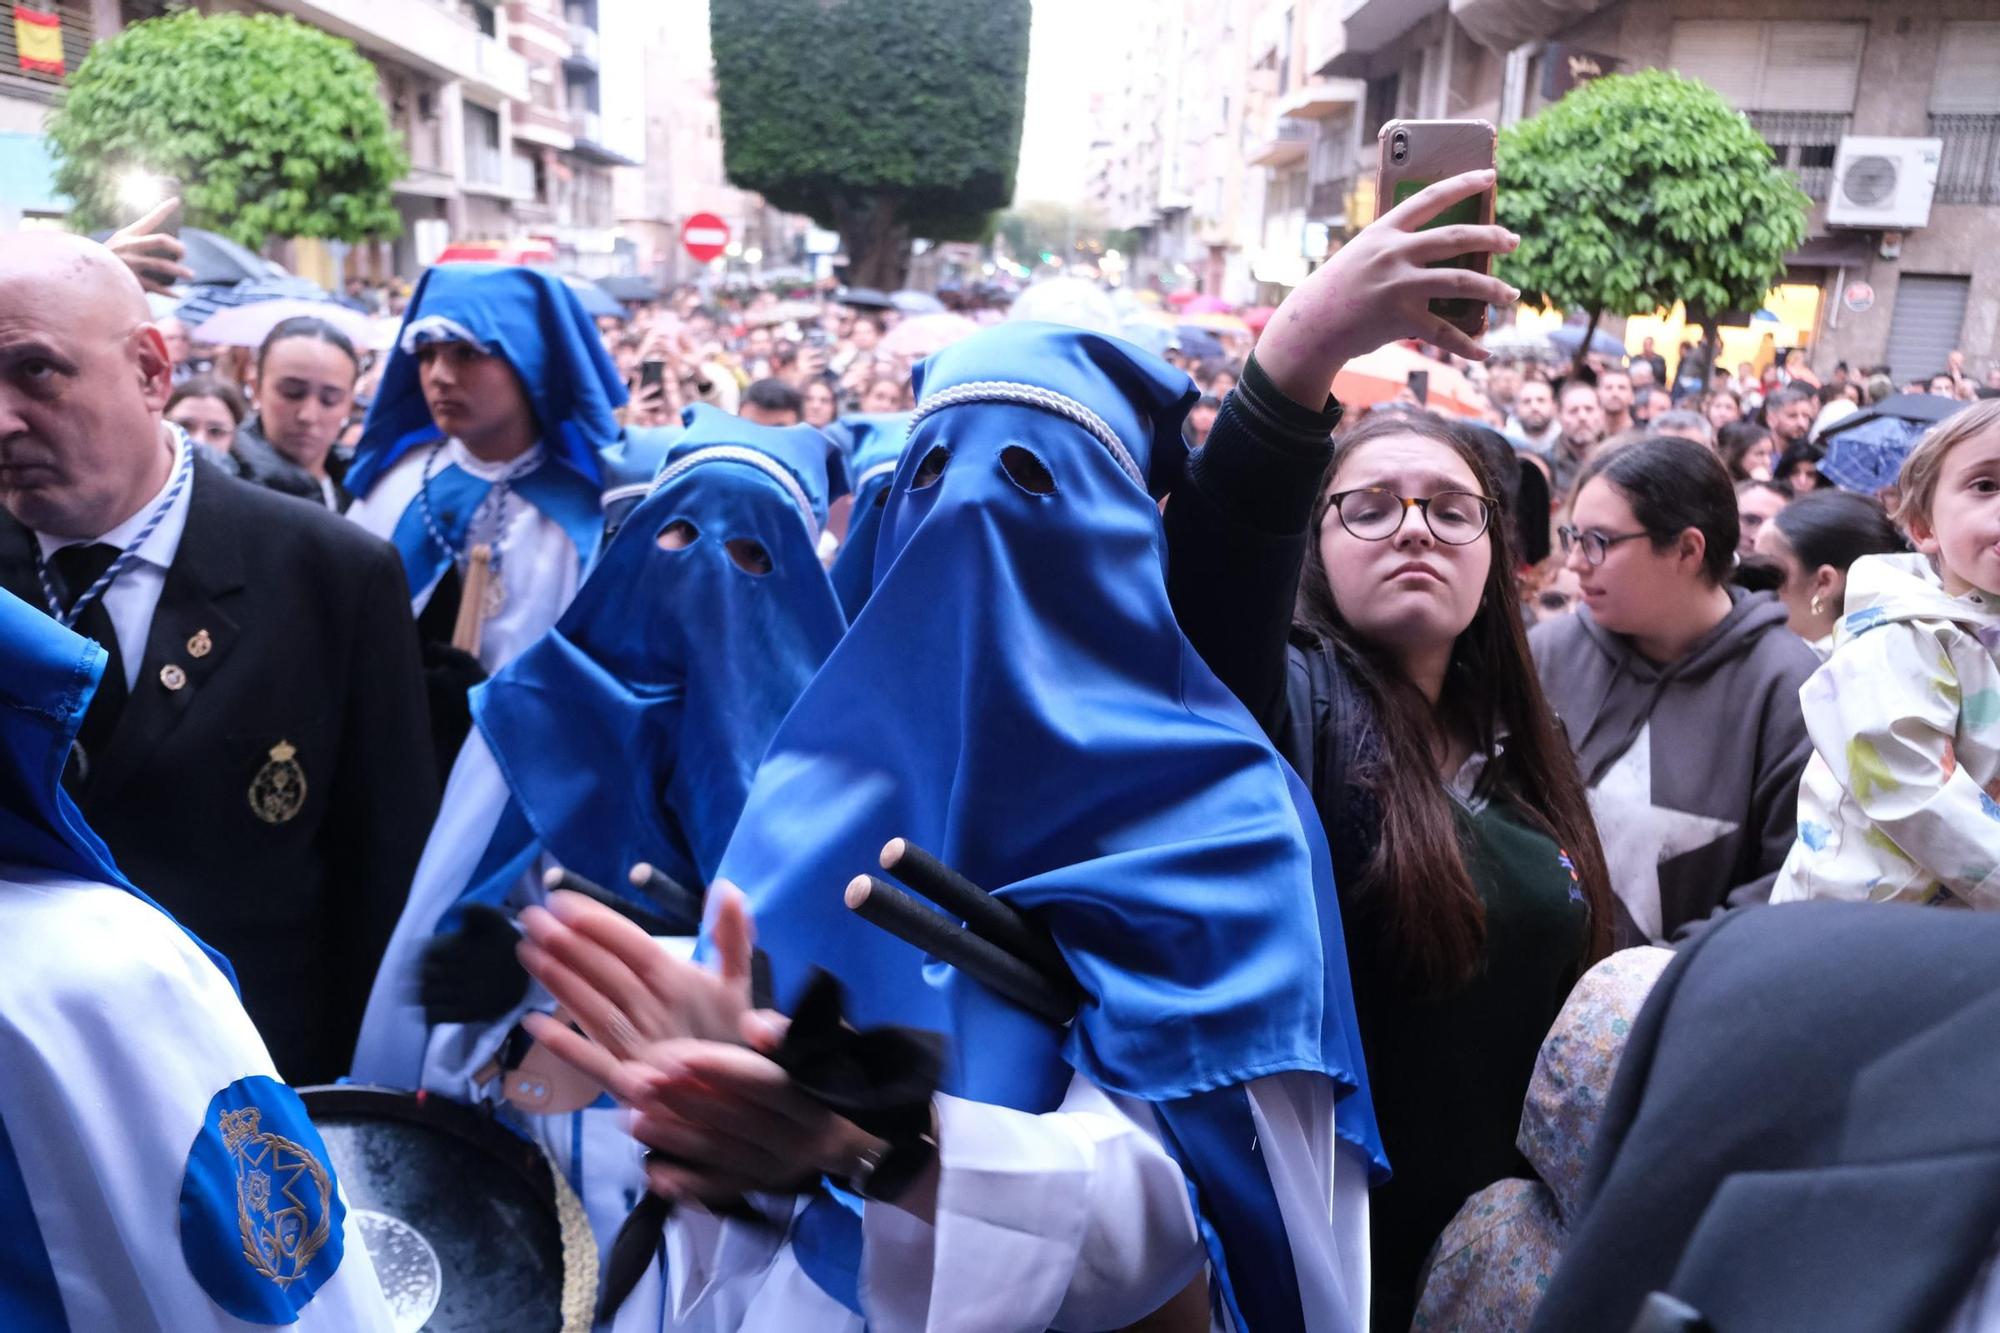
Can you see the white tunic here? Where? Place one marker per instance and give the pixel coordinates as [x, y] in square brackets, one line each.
[1074, 1219]
[539, 564]
[116, 1035]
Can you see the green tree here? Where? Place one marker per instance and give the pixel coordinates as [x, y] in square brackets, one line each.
[1639, 190]
[272, 127]
[880, 119]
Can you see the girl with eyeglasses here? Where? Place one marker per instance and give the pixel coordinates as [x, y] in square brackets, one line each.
[1360, 599]
[1679, 691]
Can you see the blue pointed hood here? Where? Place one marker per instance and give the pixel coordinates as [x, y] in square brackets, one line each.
[532, 319]
[631, 730]
[878, 447]
[1018, 699]
[48, 676]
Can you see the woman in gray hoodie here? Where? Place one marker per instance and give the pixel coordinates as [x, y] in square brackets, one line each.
[1680, 692]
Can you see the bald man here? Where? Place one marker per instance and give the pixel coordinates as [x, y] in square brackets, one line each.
[257, 755]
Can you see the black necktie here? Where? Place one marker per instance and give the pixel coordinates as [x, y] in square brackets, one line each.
[76, 569]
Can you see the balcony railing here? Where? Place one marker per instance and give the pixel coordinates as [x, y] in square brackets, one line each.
[1969, 171]
[1805, 142]
[582, 44]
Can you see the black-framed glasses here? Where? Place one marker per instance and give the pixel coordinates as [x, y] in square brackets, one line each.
[1595, 545]
[1455, 518]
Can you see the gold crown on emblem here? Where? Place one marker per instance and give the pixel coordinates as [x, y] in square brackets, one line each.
[239, 1125]
[282, 752]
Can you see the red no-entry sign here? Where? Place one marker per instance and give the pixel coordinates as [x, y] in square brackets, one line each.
[705, 237]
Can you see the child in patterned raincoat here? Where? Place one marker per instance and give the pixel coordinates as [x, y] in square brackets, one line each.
[1901, 800]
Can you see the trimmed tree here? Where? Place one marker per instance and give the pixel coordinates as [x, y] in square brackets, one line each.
[1639, 190]
[882, 120]
[273, 128]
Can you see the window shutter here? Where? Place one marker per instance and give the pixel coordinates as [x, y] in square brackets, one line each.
[1811, 66]
[1723, 54]
[1968, 70]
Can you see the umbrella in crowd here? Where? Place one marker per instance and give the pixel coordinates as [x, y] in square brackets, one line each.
[216, 259]
[631, 287]
[920, 335]
[782, 312]
[1865, 450]
[1517, 342]
[1569, 335]
[1182, 297]
[916, 303]
[203, 301]
[247, 325]
[596, 302]
[866, 298]
[1379, 376]
[1198, 342]
[1208, 305]
[1257, 316]
[1214, 321]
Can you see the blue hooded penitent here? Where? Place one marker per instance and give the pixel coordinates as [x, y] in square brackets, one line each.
[532, 319]
[631, 730]
[878, 448]
[48, 675]
[1018, 699]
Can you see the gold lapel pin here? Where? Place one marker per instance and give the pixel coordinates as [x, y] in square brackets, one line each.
[200, 644]
[172, 676]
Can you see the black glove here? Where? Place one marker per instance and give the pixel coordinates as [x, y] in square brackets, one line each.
[472, 975]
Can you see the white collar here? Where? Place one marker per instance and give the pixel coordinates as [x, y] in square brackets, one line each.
[512, 469]
[160, 548]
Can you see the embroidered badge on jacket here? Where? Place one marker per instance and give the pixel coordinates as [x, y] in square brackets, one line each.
[261, 1219]
[278, 792]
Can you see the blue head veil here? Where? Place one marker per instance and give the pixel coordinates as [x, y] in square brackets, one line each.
[532, 319]
[878, 447]
[630, 731]
[48, 675]
[1035, 717]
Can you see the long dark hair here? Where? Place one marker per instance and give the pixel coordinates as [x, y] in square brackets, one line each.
[1417, 886]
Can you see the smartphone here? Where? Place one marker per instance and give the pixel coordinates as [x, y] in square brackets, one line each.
[652, 374]
[1417, 153]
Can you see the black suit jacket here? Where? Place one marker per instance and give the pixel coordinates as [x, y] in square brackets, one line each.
[1802, 1132]
[286, 627]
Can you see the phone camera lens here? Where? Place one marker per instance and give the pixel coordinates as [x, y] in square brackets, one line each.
[1399, 146]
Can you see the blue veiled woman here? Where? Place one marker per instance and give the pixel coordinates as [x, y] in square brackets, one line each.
[1018, 699]
[489, 429]
[627, 734]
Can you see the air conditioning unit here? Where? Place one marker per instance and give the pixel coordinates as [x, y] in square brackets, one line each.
[1883, 183]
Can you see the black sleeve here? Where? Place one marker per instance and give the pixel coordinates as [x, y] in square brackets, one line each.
[386, 788]
[1236, 536]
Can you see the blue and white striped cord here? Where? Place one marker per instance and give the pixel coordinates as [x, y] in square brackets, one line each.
[1033, 395]
[128, 557]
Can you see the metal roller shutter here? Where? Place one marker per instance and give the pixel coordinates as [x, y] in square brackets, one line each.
[1929, 315]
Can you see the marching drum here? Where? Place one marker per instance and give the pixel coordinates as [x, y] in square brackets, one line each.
[468, 1224]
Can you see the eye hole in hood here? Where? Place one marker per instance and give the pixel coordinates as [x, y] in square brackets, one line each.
[1026, 471]
[931, 469]
[679, 535]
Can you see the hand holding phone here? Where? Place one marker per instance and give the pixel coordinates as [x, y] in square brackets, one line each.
[1414, 154]
[151, 247]
[1379, 287]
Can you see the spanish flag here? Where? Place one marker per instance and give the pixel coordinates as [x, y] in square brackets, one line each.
[38, 38]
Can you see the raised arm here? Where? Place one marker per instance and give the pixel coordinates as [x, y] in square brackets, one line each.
[1236, 524]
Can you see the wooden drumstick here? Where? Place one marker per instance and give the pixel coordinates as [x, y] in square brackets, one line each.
[985, 915]
[936, 934]
[679, 901]
[466, 633]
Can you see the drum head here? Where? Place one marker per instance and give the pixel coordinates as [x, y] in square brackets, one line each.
[468, 1225]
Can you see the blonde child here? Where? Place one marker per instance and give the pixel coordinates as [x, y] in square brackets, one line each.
[1901, 800]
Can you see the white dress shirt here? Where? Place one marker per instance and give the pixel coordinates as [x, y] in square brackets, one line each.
[135, 594]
